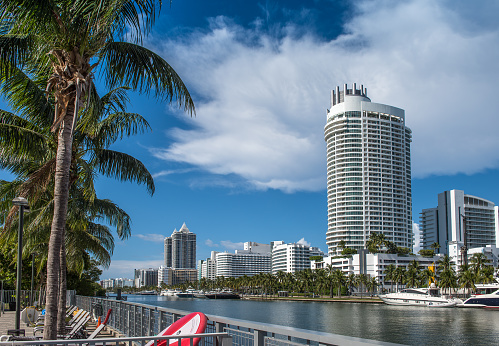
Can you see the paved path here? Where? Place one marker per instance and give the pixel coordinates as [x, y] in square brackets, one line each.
[7, 321]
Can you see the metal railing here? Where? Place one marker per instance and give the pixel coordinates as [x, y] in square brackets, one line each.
[9, 296]
[134, 319]
[221, 339]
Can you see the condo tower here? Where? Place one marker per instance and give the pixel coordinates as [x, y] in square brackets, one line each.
[368, 171]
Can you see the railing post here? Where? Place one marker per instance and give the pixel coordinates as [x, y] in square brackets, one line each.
[150, 325]
[161, 324]
[259, 338]
[226, 341]
[219, 328]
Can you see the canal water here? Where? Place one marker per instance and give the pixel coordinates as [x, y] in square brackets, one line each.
[400, 324]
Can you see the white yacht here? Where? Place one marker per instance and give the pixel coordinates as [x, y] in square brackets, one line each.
[490, 300]
[429, 297]
[189, 293]
[170, 292]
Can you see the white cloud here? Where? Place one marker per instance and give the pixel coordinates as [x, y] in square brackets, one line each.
[262, 105]
[417, 237]
[302, 241]
[231, 245]
[226, 244]
[210, 243]
[170, 172]
[157, 238]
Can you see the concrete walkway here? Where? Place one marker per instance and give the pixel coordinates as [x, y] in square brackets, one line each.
[7, 321]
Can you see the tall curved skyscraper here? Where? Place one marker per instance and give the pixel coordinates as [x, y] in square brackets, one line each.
[368, 171]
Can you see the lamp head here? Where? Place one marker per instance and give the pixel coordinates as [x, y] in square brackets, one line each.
[20, 201]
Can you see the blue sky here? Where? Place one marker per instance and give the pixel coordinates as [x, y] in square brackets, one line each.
[251, 165]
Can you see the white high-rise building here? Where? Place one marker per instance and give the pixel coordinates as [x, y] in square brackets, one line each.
[460, 220]
[208, 267]
[254, 259]
[180, 249]
[368, 171]
[374, 265]
[293, 257]
[145, 277]
[117, 283]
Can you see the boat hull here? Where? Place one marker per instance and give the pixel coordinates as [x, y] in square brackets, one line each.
[222, 296]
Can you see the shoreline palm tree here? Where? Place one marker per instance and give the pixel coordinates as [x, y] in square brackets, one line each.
[71, 41]
[389, 274]
[339, 279]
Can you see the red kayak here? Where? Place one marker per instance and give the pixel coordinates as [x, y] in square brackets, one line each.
[194, 323]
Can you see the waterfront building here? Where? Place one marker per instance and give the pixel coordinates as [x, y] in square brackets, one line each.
[172, 276]
[180, 249]
[208, 268]
[374, 265]
[461, 220]
[145, 277]
[117, 283]
[292, 257]
[368, 171]
[489, 251]
[256, 258]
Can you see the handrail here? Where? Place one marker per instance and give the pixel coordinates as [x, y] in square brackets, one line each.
[121, 340]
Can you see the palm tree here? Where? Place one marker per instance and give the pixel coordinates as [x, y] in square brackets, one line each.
[375, 242]
[351, 282]
[399, 276]
[478, 263]
[372, 285]
[322, 281]
[412, 274]
[427, 277]
[100, 126]
[486, 275]
[339, 279]
[445, 263]
[390, 274]
[362, 282]
[76, 40]
[330, 271]
[466, 278]
[435, 246]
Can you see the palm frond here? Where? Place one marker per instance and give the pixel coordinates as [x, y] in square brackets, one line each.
[119, 125]
[129, 64]
[121, 166]
[26, 96]
[114, 216]
[18, 144]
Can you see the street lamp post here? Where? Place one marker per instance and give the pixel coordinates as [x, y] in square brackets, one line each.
[1, 299]
[464, 249]
[32, 277]
[22, 203]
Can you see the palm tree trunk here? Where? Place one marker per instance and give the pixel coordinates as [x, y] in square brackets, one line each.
[61, 196]
[61, 313]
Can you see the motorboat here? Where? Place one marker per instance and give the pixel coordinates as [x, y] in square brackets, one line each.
[200, 294]
[490, 300]
[170, 292]
[429, 297]
[222, 295]
[189, 293]
[148, 293]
